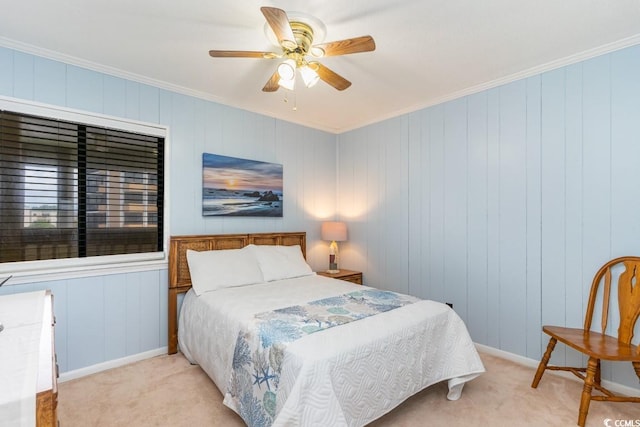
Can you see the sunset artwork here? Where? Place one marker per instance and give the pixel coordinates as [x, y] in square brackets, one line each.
[240, 187]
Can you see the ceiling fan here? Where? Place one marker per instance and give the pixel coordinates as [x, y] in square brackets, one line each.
[295, 37]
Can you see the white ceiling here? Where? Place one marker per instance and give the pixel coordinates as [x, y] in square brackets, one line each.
[427, 51]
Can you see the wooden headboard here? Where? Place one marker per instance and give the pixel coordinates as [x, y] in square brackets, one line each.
[179, 278]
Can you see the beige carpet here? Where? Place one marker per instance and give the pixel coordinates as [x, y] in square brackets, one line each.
[168, 391]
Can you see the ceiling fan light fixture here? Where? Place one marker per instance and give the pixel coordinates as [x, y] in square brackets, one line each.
[317, 26]
[316, 52]
[288, 84]
[287, 69]
[309, 76]
[297, 36]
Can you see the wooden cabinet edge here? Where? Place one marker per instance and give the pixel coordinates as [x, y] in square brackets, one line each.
[357, 279]
[47, 408]
[47, 400]
[346, 275]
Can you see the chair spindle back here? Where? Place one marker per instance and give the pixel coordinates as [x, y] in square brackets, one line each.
[628, 296]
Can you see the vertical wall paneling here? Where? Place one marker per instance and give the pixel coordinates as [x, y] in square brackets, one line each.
[201, 121]
[84, 89]
[6, 72]
[548, 188]
[436, 204]
[371, 154]
[383, 187]
[320, 201]
[293, 188]
[307, 198]
[533, 221]
[596, 149]
[576, 290]
[149, 308]
[23, 76]
[455, 205]
[597, 169]
[114, 96]
[416, 169]
[299, 196]
[553, 198]
[477, 232]
[361, 209]
[625, 152]
[185, 204]
[132, 100]
[115, 317]
[393, 224]
[352, 203]
[494, 298]
[512, 216]
[133, 315]
[85, 322]
[149, 104]
[49, 81]
[163, 307]
[423, 191]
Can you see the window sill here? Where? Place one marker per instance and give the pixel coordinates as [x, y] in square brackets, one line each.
[72, 269]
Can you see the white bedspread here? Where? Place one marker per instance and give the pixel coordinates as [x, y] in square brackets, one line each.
[344, 376]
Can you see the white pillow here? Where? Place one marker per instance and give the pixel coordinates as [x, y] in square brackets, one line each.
[211, 270]
[280, 262]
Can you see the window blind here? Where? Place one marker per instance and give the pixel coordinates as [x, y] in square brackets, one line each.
[72, 190]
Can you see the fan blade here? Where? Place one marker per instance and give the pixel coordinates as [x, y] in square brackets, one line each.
[330, 77]
[242, 54]
[272, 85]
[279, 23]
[344, 47]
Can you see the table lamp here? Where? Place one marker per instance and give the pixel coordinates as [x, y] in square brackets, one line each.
[334, 231]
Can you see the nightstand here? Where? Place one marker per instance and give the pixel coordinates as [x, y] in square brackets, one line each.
[348, 275]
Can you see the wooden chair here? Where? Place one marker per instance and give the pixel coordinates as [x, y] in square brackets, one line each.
[597, 345]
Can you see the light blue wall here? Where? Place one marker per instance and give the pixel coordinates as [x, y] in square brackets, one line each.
[505, 202]
[102, 318]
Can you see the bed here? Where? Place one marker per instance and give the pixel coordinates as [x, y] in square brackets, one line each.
[384, 347]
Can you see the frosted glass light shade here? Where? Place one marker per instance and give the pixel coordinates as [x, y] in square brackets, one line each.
[287, 69]
[287, 84]
[309, 76]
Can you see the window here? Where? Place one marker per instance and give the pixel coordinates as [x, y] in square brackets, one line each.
[76, 190]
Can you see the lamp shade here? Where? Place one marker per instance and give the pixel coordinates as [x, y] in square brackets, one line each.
[334, 231]
[309, 76]
[287, 69]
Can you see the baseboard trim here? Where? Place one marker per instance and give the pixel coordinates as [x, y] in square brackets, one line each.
[516, 358]
[531, 363]
[99, 367]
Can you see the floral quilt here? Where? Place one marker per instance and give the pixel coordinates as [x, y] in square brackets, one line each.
[259, 350]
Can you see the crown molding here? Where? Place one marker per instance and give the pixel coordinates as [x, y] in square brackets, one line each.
[552, 65]
[539, 69]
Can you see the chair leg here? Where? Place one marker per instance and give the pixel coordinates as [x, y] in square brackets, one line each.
[598, 377]
[543, 362]
[585, 400]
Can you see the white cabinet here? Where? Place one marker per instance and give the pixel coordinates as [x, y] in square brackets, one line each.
[29, 393]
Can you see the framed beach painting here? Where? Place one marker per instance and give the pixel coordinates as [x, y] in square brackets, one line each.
[240, 187]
